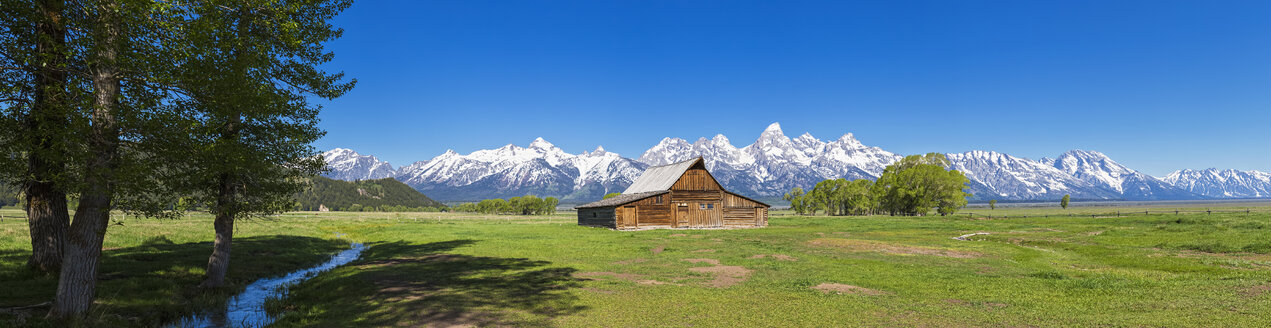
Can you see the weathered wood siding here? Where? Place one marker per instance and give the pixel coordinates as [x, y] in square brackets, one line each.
[742, 212]
[597, 217]
[646, 213]
[696, 179]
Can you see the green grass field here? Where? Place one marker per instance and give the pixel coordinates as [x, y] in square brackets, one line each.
[431, 269]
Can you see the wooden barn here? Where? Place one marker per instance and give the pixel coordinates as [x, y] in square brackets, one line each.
[676, 196]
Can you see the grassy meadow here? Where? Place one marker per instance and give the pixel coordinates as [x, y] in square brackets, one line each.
[430, 269]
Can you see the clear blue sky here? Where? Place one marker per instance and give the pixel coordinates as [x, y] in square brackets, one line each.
[1157, 85]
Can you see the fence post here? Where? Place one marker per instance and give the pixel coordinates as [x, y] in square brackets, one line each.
[1208, 212]
[1175, 212]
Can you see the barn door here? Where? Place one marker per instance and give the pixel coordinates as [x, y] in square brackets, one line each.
[629, 216]
[759, 213]
[715, 213]
[705, 215]
[682, 218]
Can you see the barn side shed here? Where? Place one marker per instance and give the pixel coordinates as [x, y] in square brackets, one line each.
[682, 195]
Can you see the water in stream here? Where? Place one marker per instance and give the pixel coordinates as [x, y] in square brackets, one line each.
[248, 308]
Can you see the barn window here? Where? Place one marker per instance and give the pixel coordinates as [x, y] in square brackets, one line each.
[657, 200]
[701, 206]
[710, 206]
[593, 214]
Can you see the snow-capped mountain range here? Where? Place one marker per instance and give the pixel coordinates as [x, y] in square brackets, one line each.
[775, 163]
[346, 164]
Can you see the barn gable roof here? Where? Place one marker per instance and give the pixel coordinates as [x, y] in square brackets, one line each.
[660, 177]
[622, 199]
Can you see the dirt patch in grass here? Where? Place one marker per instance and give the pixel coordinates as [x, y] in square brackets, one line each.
[1258, 290]
[658, 250]
[677, 235]
[889, 248]
[704, 251]
[724, 275]
[781, 257]
[636, 278]
[841, 289]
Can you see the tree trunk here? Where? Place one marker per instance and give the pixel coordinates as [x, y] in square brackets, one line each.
[218, 263]
[77, 284]
[47, 219]
[226, 209]
[46, 201]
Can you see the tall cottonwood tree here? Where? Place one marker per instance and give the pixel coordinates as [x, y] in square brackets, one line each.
[36, 131]
[128, 131]
[251, 67]
[917, 183]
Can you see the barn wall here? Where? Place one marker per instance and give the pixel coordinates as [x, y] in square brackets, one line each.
[597, 217]
[696, 179]
[742, 212]
[649, 213]
[696, 196]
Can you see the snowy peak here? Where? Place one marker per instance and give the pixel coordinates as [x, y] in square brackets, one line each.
[667, 151]
[1094, 167]
[1222, 183]
[1101, 171]
[996, 175]
[346, 164]
[539, 143]
[775, 127]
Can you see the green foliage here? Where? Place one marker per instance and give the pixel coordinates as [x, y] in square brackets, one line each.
[249, 70]
[836, 197]
[384, 195]
[1063, 202]
[918, 183]
[992, 204]
[611, 195]
[797, 199]
[912, 186]
[524, 205]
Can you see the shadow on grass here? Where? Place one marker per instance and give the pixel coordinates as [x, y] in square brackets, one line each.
[399, 283]
[156, 282]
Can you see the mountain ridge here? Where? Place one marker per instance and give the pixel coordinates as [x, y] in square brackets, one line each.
[774, 163]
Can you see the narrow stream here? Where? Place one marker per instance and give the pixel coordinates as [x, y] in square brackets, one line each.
[248, 308]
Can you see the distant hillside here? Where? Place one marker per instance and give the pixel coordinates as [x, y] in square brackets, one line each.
[383, 194]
